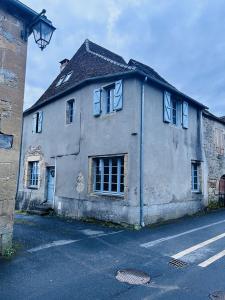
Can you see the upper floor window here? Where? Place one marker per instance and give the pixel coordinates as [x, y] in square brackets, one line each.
[174, 106]
[171, 108]
[69, 111]
[33, 174]
[108, 99]
[37, 122]
[109, 175]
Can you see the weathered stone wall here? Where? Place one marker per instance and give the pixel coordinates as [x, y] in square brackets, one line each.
[213, 134]
[12, 74]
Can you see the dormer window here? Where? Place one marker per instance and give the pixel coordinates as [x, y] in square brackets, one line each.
[64, 78]
[67, 77]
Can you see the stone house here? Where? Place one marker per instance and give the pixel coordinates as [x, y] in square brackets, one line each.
[214, 145]
[15, 18]
[114, 141]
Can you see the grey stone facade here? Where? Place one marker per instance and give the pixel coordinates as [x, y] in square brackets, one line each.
[167, 154]
[12, 73]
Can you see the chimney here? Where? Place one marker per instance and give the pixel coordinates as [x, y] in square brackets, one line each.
[63, 63]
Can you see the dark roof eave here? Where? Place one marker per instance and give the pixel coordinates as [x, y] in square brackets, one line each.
[111, 76]
[75, 87]
[211, 116]
[172, 89]
[20, 8]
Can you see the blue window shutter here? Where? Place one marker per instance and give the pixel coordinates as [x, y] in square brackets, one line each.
[40, 120]
[185, 115]
[167, 107]
[97, 102]
[118, 95]
[34, 127]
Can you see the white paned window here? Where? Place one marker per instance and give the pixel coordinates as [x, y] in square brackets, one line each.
[195, 177]
[109, 175]
[33, 174]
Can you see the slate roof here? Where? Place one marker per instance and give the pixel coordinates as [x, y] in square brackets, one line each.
[93, 61]
[211, 116]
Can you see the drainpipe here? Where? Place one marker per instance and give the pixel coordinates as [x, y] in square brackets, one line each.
[142, 224]
[55, 182]
[20, 157]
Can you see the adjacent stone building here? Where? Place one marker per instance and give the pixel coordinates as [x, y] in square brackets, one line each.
[214, 146]
[114, 141]
[15, 19]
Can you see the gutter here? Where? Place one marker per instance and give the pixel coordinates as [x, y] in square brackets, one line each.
[142, 224]
[109, 77]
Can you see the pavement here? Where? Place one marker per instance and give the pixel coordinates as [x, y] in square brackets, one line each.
[67, 259]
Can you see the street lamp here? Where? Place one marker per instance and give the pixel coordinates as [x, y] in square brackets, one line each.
[42, 30]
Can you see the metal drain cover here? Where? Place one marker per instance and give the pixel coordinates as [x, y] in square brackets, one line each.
[218, 295]
[177, 263]
[132, 276]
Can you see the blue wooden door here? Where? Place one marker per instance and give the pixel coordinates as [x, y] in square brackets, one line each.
[51, 185]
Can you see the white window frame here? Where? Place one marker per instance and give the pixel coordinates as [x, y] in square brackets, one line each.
[120, 175]
[174, 109]
[109, 91]
[195, 177]
[33, 174]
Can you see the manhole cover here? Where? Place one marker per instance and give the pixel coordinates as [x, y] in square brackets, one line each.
[218, 295]
[177, 263]
[132, 276]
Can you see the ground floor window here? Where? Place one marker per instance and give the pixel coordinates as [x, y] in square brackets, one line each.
[108, 174]
[195, 176]
[33, 174]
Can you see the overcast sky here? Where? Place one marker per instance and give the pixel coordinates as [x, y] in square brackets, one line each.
[183, 41]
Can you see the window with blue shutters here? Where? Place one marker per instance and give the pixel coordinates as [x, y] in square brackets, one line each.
[109, 99]
[97, 102]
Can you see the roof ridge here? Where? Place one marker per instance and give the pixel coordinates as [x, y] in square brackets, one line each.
[106, 58]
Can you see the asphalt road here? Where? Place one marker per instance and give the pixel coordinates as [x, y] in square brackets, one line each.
[64, 259]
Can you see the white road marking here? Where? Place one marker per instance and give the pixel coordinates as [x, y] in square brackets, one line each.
[212, 259]
[91, 232]
[156, 242]
[198, 246]
[66, 242]
[52, 244]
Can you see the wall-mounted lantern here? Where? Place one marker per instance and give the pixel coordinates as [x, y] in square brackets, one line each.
[42, 30]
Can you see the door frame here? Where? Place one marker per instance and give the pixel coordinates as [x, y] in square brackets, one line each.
[48, 168]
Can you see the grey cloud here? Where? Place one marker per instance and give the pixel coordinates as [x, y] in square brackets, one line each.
[182, 40]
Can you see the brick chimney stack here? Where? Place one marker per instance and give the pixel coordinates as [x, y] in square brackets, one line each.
[63, 63]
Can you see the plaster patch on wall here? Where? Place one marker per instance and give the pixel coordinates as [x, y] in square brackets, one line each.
[8, 77]
[5, 170]
[80, 183]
